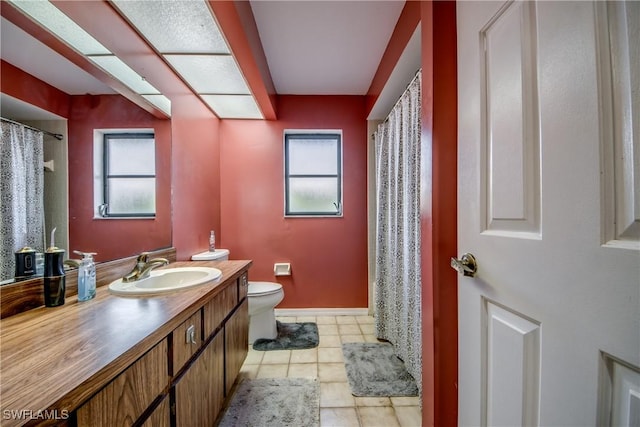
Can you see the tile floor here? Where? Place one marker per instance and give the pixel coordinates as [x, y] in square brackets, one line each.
[338, 407]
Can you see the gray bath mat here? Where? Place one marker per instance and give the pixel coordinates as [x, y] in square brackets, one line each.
[274, 402]
[291, 336]
[374, 370]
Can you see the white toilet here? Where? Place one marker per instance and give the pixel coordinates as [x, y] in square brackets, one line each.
[263, 297]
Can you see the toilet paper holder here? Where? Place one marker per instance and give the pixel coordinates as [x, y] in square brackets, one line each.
[282, 269]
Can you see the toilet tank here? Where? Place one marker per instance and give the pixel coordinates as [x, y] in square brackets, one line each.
[217, 255]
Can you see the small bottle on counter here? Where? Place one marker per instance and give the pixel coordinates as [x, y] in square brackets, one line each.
[212, 241]
[86, 276]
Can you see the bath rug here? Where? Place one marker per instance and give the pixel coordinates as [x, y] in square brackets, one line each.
[274, 402]
[373, 369]
[291, 336]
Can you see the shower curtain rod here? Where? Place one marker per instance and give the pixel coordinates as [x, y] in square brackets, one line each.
[416, 76]
[55, 135]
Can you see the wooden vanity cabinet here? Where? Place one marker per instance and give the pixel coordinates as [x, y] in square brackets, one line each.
[184, 379]
[129, 395]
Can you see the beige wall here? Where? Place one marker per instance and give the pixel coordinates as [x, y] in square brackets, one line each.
[372, 125]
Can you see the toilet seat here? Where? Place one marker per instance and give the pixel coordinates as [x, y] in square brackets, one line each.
[263, 288]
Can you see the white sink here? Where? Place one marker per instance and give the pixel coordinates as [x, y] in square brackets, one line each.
[168, 280]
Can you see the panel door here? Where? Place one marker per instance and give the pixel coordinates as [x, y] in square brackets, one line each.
[549, 204]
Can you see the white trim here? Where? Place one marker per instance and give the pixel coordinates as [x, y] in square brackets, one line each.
[284, 312]
[98, 160]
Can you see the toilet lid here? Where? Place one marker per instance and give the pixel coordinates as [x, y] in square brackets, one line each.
[263, 288]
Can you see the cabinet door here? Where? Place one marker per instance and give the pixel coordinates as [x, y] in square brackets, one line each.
[200, 392]
[236, 336]
[125, 398]
[160, 416]
[187, 339]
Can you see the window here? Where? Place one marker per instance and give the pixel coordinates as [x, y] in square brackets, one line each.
[313, 174]
[125, 169]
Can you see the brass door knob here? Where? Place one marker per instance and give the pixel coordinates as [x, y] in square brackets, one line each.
[466, 265]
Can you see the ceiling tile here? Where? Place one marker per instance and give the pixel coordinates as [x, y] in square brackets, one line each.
[121, 71]
[60, 24]
[210, 73]
[175, 26]
[233, 106]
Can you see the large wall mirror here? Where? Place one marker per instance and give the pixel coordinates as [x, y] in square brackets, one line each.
[69, 175]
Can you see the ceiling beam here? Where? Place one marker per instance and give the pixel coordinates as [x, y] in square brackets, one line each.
[402, 33]
[16, 17]
[21, 85]
[237, 24]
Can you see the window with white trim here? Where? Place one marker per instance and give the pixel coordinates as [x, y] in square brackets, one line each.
[125, 174]
[313, 173]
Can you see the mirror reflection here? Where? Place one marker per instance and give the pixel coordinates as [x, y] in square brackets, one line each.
[58, 189]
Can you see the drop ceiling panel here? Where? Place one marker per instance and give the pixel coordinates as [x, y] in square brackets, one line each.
[233, 106]
[175, 26]
[118, 69]
[210, 73]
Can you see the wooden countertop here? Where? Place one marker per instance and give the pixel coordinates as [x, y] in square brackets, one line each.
[56, 358]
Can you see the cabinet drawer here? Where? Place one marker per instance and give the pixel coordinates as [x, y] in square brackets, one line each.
[219, 307]
[125, 398]
[187, 339]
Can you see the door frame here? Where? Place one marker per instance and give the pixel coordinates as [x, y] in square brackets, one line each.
[439, 213]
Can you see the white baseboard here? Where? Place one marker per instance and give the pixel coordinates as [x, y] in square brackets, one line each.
[291, 312]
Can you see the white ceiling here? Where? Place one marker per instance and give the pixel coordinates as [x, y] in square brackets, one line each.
[312, 47]
[324, 47]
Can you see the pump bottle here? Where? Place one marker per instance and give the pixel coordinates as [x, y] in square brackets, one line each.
[86, 276]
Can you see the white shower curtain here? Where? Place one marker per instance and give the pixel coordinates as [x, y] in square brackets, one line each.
[398, 280]
[21, 193]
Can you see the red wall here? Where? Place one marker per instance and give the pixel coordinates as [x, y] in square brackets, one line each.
[122, 237]
[196, 178]
[328, 256]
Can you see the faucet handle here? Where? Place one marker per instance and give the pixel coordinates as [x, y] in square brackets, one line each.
[143, 257]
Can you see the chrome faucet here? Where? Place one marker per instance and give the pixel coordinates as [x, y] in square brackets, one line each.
[143, 267]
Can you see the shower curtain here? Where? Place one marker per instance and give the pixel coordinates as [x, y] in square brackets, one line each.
[21, 194]
[398, 280]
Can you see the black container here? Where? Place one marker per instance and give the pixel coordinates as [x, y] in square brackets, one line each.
[25, 262]
[54, 280]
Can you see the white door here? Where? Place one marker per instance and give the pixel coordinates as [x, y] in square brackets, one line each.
[549, 204]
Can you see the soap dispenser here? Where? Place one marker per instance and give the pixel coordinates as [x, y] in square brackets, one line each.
[54, 280]
[86, 276]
